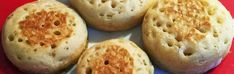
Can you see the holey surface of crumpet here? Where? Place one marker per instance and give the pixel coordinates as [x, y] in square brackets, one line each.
[187, 36]
[44, 37]
[116, 56]
[112, 15]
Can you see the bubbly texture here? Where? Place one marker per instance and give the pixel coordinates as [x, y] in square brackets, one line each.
[116, 56]
[115, 60]
[112, 15]
[187, 36]
[44, 37]
[191, 19]
[45, 27]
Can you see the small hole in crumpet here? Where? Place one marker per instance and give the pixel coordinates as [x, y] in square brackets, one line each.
[113, 4]
[53, 46]
[103, 1]
[11, 37]
[106, 62]
[189, 51]
[88, 71]
[57, 32]
[91, 1]
[20, 40]
[42, 44]
[56, 23]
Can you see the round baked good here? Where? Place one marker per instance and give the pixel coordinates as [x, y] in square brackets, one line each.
[112, 15]
[44, 37]
[187, 36]
[116, 56]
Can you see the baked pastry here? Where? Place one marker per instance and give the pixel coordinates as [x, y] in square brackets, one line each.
[187, 36]
[116, 56]
[112, 15]
[44, 37]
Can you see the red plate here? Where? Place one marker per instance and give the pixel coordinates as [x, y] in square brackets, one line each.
[6, 67]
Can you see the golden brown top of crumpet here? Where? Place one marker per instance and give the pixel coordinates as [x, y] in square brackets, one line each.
[189, 19]
[115, 60]
[45, 27]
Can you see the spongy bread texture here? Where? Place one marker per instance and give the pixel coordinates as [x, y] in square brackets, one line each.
[116, 56]
[187, 36]
[44, 37]
[112, 15]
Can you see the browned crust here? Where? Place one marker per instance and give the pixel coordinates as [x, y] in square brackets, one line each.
[187, 23]
[182, 30]
[115, 60]
[45, 27]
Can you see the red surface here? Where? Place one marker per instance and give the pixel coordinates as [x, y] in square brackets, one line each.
[6, 67]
